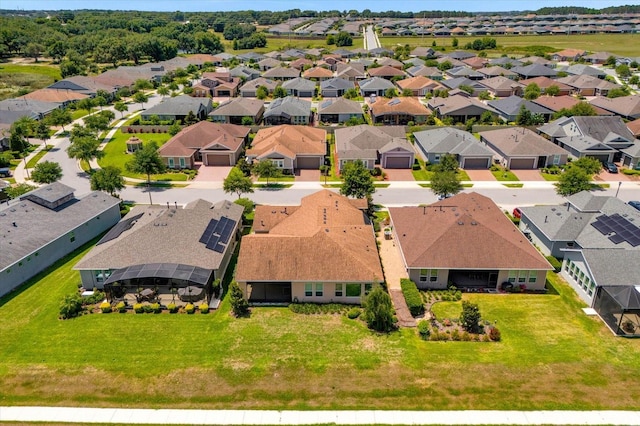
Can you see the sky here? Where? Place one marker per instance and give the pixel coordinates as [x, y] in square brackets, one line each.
[275, 5]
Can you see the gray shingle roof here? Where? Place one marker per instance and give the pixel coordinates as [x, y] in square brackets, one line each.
[452, 141]
[180, 105]
[292, 106]
[512, 104]
[339, 106]
[300, 84]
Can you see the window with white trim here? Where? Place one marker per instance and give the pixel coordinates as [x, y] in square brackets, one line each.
[353, 289]
[308, 289]
[183, 164]
[513, 275]
[533, 276]
[430, 275]
[279, 163]
[339, 291]
[319, 289]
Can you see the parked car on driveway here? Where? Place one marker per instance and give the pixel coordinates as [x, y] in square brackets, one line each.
[634, 204]
[611, 168]
[517, 213]
[5, 172]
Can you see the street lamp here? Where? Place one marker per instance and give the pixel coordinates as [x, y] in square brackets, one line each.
[25, 167]
[618, 190]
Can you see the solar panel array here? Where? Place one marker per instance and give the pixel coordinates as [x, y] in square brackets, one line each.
[217, 234]
[120, 227]
[618, 229]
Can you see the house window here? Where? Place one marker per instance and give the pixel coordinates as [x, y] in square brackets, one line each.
[278, 163]
[533, 276]
[308, 289]
[182, 163]
[339, 290]
[319, 289]
[436, 157]
[556, 160]
[512, 276]
[428, 275]
[354, 290]
[72, 237]
[522, 276]
[172, 163]
[367, 288]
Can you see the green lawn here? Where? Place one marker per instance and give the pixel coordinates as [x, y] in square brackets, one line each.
[505, 175]
[513, 185]
[34, 160]
[27, 78]
[551, 177]
[116, 155]
[286, 42]
[279, 360]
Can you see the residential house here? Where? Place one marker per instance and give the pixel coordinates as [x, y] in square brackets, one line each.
[178, 108]
[394, 63]
[444, 244]
[234, 111]
[509, 108]
[384, 146]
[250, 88]
[464, 72]
[398, 111]
[520, 148]
[268, 63]
[83, 84]
[165, 248]
[502, 87]
[545, 82]
[458, 82]
[419, 86]
[217, 84]
[375, 86]
[318, 74]
[423, 52]
[570, 55]
[497, 71]
[627, 107]
[62, 97]
[12, 109]
[535, 70]
[586, 85]
[386, 71]
[281, 73]
[459, 55]
[300, 87]
[430, 72]
[290, 147]
[558, 103]
[45, 225]
[476, 62]
[339, 110]
[458, 107]
[600, 137]
[301, 63]
[596, 237]
[322, 251]
[634, 127]
[598, 57]
[214, 144]
[335, 87]
[352, 71]
[505, 62]
[582, 69]
[288, 110]
[435, 143]
[245, 73]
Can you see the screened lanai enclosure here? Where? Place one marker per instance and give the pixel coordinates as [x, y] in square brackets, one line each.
[619, 308]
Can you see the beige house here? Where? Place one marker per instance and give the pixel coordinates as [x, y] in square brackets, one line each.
[290, 147]
[213, 144]
[322, 251]
[419, 85]
[468, 242]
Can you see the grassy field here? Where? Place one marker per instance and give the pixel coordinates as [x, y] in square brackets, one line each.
[15, 78]
[279, 360]
[505, 175]
[284, 43]
[621, 44]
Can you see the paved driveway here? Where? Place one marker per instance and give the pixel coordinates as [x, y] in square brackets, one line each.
[480, 175]
[307, 175]
[528, 175]
[612, 177]
[399, 175]
[211, 173]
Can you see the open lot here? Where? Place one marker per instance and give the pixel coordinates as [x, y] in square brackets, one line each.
[551, 357]
[17, 79]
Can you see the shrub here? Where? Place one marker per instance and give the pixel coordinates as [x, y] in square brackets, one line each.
[494, 334]
[172, 308]
[105, 307]
[121, 307]
[557, 265]
[239, 305]
[204, 308]
[138, 308]
[424, 329]
[190, 308]
[97, 297]
[466, 337]
[378, 310]
[354, 313]
[147, 309]
[470, 316]
[455, 335]
[71, 306]
[412, 297]
[156, 308]
[485, 338]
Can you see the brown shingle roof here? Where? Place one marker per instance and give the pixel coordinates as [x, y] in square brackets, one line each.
[467, 231]
[406, 105]
[54, 95]
[556, 103]
[419, 82]
[518, 141]
[634, 126]
[293, 140]
[385, 71]
[317, 72]
[326, 238]
[201, 135]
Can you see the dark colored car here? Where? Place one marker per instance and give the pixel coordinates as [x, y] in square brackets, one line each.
[5, 172]
[611, 168]
[634, 204]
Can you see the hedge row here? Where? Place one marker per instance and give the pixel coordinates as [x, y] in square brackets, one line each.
[412, 296]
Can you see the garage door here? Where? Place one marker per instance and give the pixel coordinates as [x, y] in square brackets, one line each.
[522, 163]
[398, 162]
[218, 160]
[602, 158]
[308, 162]
[476, 163]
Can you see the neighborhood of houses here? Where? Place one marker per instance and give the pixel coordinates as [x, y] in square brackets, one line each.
[325, 249]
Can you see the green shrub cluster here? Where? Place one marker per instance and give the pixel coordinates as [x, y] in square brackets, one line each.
[424, 329]
[138, 308]
[155, 308]
[557, 265]
[105, 307]
[412, 297]
[97, 297]
[494, 334]
[354, 313]
[630, 172]
[172, 308]
[450, 295]
[204, 308]
[190, 308]
[316, 308]
[121, 307]
[71, 306]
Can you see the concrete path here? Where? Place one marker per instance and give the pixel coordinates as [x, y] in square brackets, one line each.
[394, 271]
[272, 417]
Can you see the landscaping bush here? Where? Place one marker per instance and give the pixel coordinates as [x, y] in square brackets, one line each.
[239, 305]
[204, 308]
[630, 172]
[354, 313]
[190, 308]
[71, 306]
[147, 309]
[315, 308]
[424, 329]
[138, 308]
[105, 307]
[494, 334]
[470, 317]
[121, 307]
[172, 308]
[557, 265]
[156, 308]
[97, 297]
[412, 297]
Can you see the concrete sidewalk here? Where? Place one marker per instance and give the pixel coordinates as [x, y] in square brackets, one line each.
[271, 417]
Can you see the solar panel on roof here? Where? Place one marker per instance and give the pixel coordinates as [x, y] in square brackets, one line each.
[635, 241]
[120, 227]
[601, 227]
[208, 231]
[616, 238]
[226, 233]
[212, 242]
[219, 248]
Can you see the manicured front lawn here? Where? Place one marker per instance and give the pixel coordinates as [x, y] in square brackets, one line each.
[504, 175]
[551, 356]
[550, 177]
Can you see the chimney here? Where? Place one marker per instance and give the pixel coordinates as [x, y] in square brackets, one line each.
[546, 219]
[14, 225]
